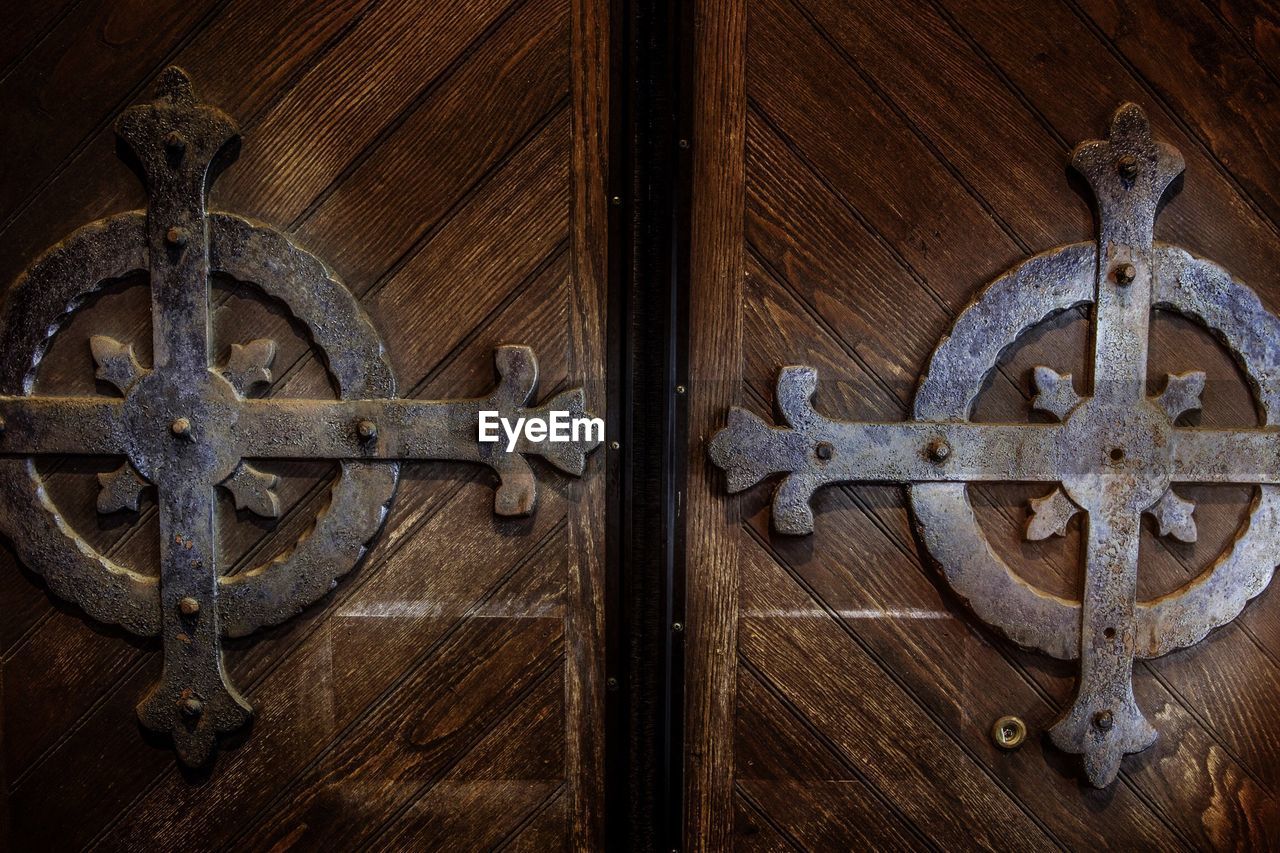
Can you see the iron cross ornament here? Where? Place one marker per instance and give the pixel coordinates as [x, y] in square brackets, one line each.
[187, 425]
[1113, 455]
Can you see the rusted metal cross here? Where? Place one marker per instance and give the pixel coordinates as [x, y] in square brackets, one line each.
[1114, 454]
[187, 425]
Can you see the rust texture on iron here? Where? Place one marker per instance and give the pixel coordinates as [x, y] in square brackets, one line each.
[186, 425]
[1112, 455]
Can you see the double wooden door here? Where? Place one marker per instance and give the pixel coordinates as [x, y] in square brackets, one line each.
[643, 662]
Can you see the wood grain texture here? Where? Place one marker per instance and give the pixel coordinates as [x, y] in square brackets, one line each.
[587, 318]
[715, 367]
[897, 157]
[432, 154]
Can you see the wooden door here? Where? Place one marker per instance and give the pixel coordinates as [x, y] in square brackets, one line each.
[860, 171]
[446, 159]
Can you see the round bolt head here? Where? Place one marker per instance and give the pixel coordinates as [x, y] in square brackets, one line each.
[367, 430]
[1125, 274]
[677, 627]
[176, 144]
[939, 451]
[1127, 166]
[613, 445]
[181, 427]
[176, 237]
[188, 606]
[680, 389]
[824, 450]
[191, 707]
[1103, 720]
[1009, 732]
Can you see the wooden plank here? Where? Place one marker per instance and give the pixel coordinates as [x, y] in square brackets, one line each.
[1195, 65]
[346, 99]
[853, 702]
[715, 358]
[19, 34]
[271, 43]
[584, 720]
[420, 173]
[797, 782]
[1257, 25]
[500, 782]
[75, 80]
[546, 832]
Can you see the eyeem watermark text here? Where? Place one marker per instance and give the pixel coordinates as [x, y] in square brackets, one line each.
[557, 426]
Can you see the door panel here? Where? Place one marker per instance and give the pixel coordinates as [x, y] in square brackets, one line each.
[860, 172]
[447, 161]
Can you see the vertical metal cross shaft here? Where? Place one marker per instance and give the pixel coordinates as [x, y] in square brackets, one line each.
[176, 141]
[1128, 173]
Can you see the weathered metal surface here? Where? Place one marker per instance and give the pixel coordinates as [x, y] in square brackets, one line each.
[186, 426]
[1113, 455]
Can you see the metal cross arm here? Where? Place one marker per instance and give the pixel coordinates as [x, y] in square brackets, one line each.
[188, 424]
[1113, 454]
[815, 451]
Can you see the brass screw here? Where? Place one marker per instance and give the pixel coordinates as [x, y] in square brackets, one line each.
[189, 606]
[176, 237]
[191, 706]
[680, 389]
[1125, 274]
[367, 430]
[181, 427]
[613, 445]
[1103, 720]
[824, 450]
[677, 627]
[1009, 732]
[939, 451]
[1128, 167]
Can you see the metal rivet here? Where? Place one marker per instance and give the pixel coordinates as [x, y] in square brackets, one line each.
[1009, 732]
[938, 451]
[189, 606]
[1103, 720]
[684, 143]
[1128, 167]
[680, 389]
[191, 706]
[677, 627]
[613, 445]
[176, 145]
[824, 450]
[181, 427]
[611, 683]
[1125, 274]
[616, 200]
[176, 236]
[367, 430]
